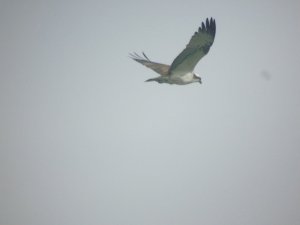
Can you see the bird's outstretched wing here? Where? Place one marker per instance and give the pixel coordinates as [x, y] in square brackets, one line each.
[198, 47]
[162, 69]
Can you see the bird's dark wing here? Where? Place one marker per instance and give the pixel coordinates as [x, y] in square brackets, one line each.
[198, 47]
[162, 69]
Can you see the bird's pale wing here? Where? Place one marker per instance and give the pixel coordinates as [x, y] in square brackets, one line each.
[162, 69]
[198, 47]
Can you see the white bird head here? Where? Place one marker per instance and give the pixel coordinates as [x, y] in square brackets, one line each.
[197, 78]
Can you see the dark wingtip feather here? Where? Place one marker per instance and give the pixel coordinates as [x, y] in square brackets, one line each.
[139, 58]
[134, 56]
[211, 26]
[131, 55]
[146, 56]
[207, 24]
[203, 26]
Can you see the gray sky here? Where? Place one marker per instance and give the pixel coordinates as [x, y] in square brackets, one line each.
[85, 141]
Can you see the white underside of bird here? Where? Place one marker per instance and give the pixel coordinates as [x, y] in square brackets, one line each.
[182, 79]
[185, 78]
[179, 79]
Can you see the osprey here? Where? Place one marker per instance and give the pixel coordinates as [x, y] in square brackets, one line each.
[181, 70]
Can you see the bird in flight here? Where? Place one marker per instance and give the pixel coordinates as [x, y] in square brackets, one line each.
[181, 70]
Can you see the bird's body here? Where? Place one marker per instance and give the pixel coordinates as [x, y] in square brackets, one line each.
[180, 72]
[176, 79]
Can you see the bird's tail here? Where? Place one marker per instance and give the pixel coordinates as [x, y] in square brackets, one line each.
[152, 79]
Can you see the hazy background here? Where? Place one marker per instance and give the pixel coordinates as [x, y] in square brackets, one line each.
[85, 141]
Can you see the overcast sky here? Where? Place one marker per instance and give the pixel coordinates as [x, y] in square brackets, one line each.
[84, 140]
